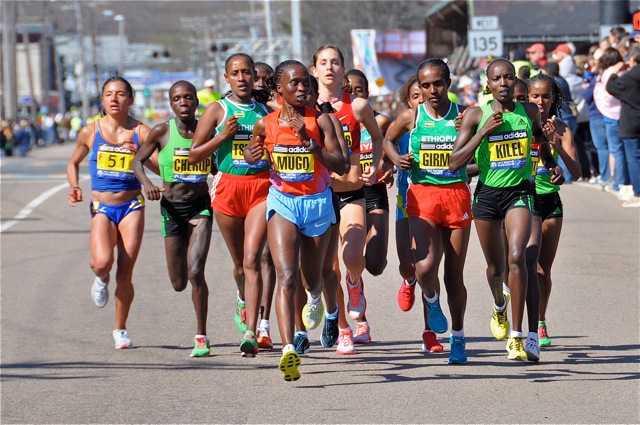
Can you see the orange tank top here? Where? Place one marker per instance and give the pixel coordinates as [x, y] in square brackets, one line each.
[294, 169]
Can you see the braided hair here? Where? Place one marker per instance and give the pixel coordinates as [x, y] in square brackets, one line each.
[282, 66]
[556, 92]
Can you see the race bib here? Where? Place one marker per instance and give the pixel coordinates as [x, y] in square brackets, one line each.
[434, 159]
[240, 142]
[347, 137]
[184, 172]
[508, 149]
[293, 163]
[114, 162]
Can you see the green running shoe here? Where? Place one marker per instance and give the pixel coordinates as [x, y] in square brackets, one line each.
[249, 345]
[543, 335]
[200, 347]
[240, 316]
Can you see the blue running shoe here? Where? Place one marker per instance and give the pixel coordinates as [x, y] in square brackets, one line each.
[330, 332]
[301, 343]
[458, 354]
[435, 317]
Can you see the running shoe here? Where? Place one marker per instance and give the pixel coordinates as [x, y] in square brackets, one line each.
[99, 292]
[330, 332]
[435, 317]
[500, 321]
[200, 347]
[240, 316]
[363, 333]
[532, 350]
[543, 335]
[357, 304]
[289, 363]
[458, 354]
[345, 342]
[430, 343]
[406, 295]
[264, 339]
[301, 343]
[312, 314]
[515, 348]
[249, 345]
[121, 336]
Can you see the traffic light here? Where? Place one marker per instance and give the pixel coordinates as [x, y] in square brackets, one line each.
[223, 47]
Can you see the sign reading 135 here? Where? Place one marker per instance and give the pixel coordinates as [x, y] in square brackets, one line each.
[485, 43]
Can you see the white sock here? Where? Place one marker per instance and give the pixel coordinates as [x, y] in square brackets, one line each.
[430, 300]
[288, 347]
[505, 288]
[331, 315]
[202, 336]
[363, 323]
[413, 281]
[264, 325]
[311, 300]
[240, 299]
[303, 333]
[515, 334]
[501, 307]
[459, 334]
[348, 328]
[533, 336]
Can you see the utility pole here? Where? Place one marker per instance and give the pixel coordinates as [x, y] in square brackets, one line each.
[267, 18]
[296, 30]
[33, 103]
[84, 97]
[9, 38]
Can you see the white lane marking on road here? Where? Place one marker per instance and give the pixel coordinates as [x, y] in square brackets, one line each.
[32, 205]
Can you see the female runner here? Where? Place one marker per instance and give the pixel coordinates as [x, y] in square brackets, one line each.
[438, 201]
[546, 93]
[302, 147]
[376, 198]
[499, 135]
[117, 206]
[186, 216]
[239, 190]
[352, 111]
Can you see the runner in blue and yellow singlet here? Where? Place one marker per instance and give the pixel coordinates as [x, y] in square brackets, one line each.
[117, 206]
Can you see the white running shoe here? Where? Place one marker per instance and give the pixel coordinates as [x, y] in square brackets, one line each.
[99, 292]
[122, 339]
[532, 349]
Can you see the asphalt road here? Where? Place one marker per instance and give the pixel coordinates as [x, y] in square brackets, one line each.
[59, 364]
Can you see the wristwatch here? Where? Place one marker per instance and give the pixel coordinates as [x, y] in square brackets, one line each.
[312, 145]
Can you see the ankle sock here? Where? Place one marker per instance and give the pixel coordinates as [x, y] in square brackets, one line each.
[333, 315]
[459, 334]
[430, 300]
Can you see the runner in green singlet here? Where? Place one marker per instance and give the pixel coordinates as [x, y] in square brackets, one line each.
[438, 200]
[184, 203]
[499, 136]
[239, 190]
[545, 92]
